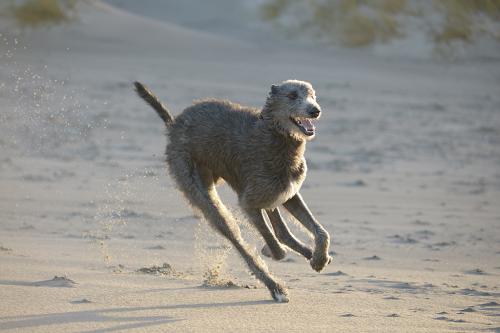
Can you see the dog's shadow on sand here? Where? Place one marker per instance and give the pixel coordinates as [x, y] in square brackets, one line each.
[110, 315]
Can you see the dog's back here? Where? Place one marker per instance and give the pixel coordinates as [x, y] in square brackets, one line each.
[219, 129]
[211, 118]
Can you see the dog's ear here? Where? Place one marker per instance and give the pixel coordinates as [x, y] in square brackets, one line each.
[274, 89]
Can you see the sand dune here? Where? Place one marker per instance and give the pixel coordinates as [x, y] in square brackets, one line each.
[403, 173]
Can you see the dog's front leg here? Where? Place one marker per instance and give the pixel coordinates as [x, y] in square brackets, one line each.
[284, 235]
[256, 216]
[298, 208]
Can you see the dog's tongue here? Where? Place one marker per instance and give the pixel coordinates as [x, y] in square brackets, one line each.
[308, 125]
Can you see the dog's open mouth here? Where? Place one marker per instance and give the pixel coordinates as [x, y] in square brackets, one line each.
[305, 125]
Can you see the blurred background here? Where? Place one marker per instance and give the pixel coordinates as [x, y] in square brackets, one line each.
[449, 28]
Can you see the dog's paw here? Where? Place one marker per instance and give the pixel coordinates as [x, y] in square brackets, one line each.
[280, 294]
[318, 262]
[279, 255]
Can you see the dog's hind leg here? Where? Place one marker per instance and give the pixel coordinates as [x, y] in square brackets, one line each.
[201, 193]
[256, 216]
[297, 207]
[284, 234]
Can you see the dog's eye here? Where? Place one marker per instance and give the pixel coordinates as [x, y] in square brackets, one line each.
[293, 95]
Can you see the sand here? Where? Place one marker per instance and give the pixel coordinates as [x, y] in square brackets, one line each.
[94, 237]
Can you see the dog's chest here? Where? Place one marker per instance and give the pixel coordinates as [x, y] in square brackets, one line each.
[290, 182]
[283, 196]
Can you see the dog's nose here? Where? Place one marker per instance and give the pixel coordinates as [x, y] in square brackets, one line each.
[315, 112]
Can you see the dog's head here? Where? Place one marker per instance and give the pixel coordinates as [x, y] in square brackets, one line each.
[292, 108]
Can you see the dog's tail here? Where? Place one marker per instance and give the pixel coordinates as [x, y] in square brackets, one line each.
[155, 103]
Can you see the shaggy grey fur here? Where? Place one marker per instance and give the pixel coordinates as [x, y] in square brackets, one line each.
[260, 154]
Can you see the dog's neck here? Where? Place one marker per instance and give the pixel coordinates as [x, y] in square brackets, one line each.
[288, 147]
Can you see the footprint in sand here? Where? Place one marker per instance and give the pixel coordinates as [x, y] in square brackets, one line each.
[431, 260]
[337, 273]
[420, 222]
[489, 304]
[156, 247]
[5, 249]
[450, 320]
[424, 234]
[403, 239]
[81, 301]
[164, 270]
[374, 257]
[474, 292]
[444, 244]
[476, 271]
[391, 298]
[56, 282]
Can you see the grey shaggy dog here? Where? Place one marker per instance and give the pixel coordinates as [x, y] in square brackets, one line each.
[260, 154]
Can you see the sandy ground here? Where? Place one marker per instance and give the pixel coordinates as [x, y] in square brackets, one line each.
[404, 173]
